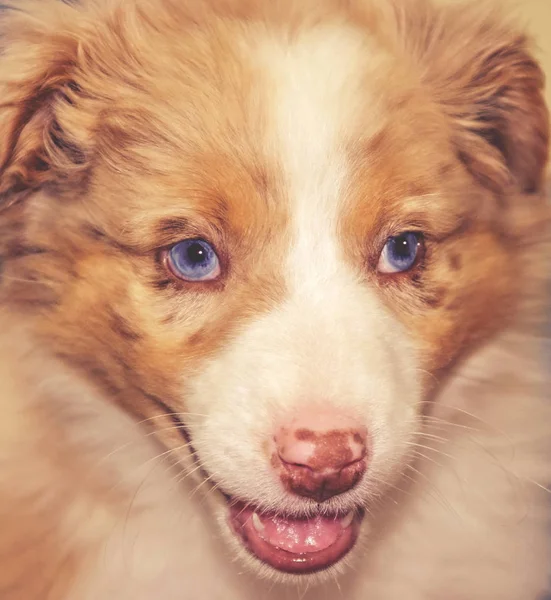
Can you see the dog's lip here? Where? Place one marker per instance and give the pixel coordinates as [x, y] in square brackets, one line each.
[294, 545]
[308, 560]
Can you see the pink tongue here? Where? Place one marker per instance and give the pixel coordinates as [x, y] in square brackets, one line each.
[300, 536]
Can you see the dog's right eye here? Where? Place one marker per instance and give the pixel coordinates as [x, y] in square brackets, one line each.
[193, 260]
[401, 253]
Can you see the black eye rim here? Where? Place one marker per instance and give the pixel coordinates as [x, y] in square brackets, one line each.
[419, 258]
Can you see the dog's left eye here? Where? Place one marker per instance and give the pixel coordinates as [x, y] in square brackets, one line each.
[193, 260]
[400, 253]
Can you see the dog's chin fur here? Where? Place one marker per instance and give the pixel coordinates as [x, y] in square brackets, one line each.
[296, 137]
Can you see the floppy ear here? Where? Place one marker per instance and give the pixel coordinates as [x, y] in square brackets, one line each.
[487, 81]
[39, 124]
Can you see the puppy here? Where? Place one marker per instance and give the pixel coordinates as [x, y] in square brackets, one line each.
[273, 287]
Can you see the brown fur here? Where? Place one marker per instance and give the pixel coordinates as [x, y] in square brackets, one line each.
[113, 147]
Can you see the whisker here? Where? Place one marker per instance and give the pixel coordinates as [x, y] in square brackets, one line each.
[391, 486]
[200, 485]
[180, 479]
[435, 450]
[471, 415]
[537, 484]
[431, 375]
[171, 414]
[430, 436]
[433, 490]
[131, 443]
[302, 595]
[433, 420]
[422, 456]
[337, 583]
[155, 460]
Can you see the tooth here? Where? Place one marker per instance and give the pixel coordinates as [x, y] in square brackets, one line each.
[347, 521]
[257, 523]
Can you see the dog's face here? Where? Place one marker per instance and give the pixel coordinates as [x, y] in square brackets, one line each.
[268, 231]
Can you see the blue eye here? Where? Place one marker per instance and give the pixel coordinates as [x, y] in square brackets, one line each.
[194, 260]
[400, 253]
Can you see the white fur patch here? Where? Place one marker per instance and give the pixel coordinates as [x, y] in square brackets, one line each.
[315, 100]
[330, 341]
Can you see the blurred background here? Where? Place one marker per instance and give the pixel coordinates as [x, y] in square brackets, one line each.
[536, 16]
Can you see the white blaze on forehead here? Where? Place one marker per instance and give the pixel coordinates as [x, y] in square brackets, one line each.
[314, 99]
[330, 341]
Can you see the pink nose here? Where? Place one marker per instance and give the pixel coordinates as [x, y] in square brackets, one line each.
[320, 454]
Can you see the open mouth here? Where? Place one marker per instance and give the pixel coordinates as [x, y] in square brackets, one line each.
[295, 545]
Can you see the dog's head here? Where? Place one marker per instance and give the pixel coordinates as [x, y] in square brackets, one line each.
[267, 228]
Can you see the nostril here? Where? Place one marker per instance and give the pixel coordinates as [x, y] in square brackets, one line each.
[321, 485]
[292, 464]
[321, 462]
[321, 468]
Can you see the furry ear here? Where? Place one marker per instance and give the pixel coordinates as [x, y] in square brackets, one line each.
[39, 124]
[487, 81]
